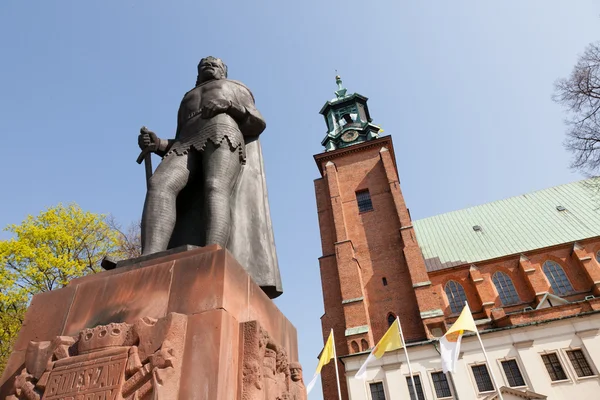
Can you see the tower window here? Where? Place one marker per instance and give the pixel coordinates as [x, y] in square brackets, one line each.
[456, 296]
[391, 318]
[363, 198]
[506, 288]
[558, 279]
[384, 281]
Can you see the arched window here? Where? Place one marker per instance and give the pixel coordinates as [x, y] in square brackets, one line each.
[598, 256]
[506, 289]
[456, 296]
[558, 279]
[364, 345]
[391, 318]
[354, 346]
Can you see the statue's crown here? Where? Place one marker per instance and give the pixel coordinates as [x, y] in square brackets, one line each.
[103, 336]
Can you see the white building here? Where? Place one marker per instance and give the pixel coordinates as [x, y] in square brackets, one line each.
[555, 359]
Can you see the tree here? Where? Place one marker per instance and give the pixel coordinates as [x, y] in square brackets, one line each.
[45, 253]
[580, 95]
[129, 239]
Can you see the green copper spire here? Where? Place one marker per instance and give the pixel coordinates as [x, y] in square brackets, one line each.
[347, 118]
[341, 92]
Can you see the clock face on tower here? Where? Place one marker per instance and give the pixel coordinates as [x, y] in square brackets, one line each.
[349, 136]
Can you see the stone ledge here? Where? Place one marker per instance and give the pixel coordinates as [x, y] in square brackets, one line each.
[352, 300]
[356, 330]
[422, 284]
[432, 314]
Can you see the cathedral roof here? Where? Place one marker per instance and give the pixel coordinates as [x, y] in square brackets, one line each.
[549, 217]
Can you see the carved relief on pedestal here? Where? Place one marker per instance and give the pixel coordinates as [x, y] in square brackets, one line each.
[139, 361]
[266, 372]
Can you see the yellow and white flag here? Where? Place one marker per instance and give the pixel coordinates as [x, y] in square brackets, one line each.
[326, 355]
[450, 342]
[390, 341]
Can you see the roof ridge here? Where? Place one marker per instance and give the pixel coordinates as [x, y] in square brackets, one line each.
[514, 197]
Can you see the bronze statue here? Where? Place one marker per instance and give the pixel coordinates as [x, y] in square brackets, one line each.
[210, 186]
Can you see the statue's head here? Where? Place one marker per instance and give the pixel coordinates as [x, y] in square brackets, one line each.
[296, 371]
[211, 68]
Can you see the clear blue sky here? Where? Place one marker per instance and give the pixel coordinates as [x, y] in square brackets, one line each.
[463, 87]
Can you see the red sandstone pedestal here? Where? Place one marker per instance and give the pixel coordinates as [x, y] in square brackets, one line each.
[190, 325]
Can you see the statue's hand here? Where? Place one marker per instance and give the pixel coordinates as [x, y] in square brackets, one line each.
[214, 107]
[147, 138]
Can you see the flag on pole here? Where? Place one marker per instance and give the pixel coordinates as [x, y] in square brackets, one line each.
[326, 355]
[450, 342]
[390, 341]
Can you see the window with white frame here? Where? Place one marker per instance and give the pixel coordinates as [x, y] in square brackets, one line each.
[482, 378]
[418, 385]
[558, 279]
[512, 373]
[580, 364]
[377, 392]
[456, 296]
[506, 289]
[440, 385]
[554, 367]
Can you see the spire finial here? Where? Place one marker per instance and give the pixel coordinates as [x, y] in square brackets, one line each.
[341, 92]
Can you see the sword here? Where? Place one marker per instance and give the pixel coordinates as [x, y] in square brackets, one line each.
[146, 156]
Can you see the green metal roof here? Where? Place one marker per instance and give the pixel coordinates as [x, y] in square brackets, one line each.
[511, 226]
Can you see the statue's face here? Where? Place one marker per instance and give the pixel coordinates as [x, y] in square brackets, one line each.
[296, 374]
[209, 69]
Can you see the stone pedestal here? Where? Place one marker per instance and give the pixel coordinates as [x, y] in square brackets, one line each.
[189, 325]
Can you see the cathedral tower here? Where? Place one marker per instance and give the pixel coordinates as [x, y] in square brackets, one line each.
[372, 269]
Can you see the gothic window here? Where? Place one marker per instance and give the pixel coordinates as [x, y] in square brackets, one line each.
[558, 279]
[456, 296]
[390, 319]
[505, 288]
[363, 198]
[364, 345]
[354, 345]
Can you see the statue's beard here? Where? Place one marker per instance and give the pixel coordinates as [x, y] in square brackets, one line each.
[200, 80]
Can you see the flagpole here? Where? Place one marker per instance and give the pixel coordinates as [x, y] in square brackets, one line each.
[337, 373]
[487, 360]
[412, 378]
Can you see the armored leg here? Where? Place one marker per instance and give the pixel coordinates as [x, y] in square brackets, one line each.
[160, 213]
[221, 167]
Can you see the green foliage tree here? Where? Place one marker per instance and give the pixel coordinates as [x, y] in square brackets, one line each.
[45, 253]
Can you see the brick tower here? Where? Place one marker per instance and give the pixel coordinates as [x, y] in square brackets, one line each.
[372, 269]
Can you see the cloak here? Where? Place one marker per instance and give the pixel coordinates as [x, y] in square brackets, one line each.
[251, 238]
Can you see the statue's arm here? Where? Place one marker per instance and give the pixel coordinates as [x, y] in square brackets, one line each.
[164, 145]
[244, 111]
